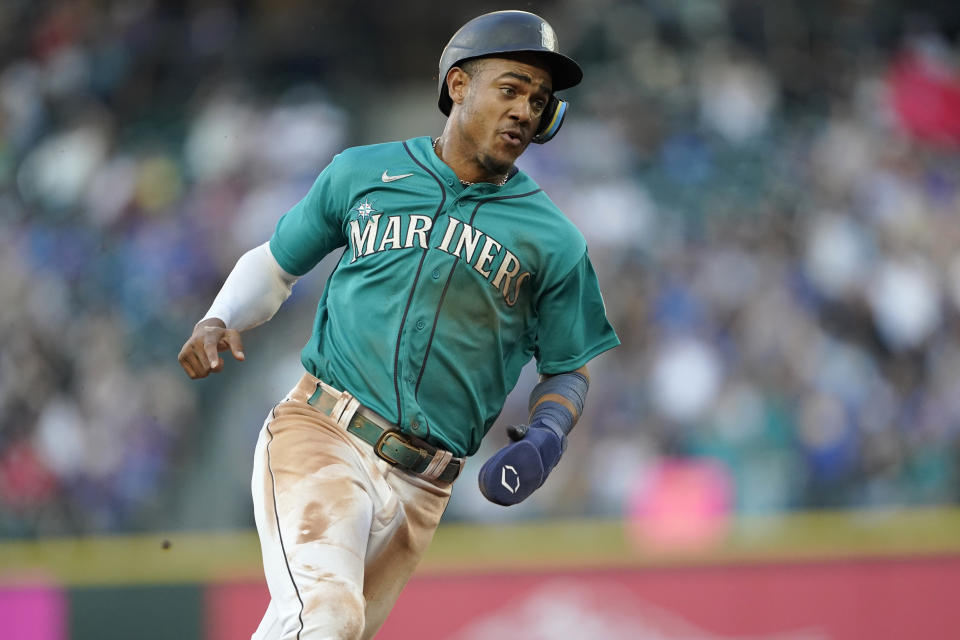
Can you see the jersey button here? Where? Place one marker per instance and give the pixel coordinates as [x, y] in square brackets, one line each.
[420, 325]
[415, 425]
[435, 274]
[449, 182]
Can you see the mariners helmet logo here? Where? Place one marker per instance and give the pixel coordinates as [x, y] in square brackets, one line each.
[548, 37]
[511, 480]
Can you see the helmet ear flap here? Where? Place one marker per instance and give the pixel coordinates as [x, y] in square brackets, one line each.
[551, 120]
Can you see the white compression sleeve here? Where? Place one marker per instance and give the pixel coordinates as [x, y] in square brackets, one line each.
[253, 291]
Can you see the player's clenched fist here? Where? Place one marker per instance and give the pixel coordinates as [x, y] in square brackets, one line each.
[200, 354]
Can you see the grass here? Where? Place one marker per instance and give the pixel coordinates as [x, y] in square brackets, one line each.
[540, 546]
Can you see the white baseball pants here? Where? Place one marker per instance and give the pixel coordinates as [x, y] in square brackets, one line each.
[341, 530]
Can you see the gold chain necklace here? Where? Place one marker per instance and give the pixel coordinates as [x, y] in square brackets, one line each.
[502, 181]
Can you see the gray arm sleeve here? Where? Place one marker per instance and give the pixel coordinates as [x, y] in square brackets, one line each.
[254, 290]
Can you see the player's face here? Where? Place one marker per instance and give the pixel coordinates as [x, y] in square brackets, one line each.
[504, 102]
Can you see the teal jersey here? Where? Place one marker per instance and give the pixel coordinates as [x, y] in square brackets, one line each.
[442, 293]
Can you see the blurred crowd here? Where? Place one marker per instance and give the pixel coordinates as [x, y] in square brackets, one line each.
[771, 197]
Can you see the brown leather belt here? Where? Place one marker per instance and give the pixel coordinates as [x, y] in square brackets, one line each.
[389, 443]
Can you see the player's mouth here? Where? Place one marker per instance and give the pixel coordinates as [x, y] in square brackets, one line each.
[513, 137]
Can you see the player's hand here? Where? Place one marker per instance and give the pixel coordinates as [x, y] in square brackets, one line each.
[520, 468]
[200, 357]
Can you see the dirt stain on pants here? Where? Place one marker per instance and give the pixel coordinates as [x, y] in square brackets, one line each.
[341, 531]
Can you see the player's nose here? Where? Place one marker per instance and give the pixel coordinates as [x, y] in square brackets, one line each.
[521, 111]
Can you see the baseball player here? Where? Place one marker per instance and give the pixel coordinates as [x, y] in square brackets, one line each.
[455, 271]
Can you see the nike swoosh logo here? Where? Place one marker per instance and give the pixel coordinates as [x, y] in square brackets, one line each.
[387, 178]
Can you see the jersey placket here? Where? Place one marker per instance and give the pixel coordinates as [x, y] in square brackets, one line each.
[419, 329]
[416, 326]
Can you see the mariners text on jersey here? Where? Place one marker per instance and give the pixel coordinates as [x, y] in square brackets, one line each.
[492, 277]
[460, 239]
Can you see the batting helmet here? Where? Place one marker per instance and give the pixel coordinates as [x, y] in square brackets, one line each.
[512, 32]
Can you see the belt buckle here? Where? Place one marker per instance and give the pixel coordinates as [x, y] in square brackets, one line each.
[378, 446]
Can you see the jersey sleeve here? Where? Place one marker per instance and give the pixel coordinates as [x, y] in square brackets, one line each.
[573, 326]
[313, 227]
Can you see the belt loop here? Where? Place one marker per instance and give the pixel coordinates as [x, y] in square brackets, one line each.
[344, 409]
[316, 394]
[437, 465]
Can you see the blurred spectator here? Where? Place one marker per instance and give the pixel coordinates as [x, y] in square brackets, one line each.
[770, 192]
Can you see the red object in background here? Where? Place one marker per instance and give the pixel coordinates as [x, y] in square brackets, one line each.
[24, 480]
[680, 505]
[879, 599]
[33, 613]
[839, 600]
[234, 609]
[60, 27]
[925, 95]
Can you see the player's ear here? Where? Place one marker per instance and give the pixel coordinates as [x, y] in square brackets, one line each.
[457, 82]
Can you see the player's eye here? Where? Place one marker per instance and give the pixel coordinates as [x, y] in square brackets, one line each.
[538, 106]
[509, 92]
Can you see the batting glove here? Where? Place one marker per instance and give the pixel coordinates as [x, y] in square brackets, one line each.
[520, 468]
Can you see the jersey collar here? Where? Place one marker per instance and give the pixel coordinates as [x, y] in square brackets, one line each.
[422, 149]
